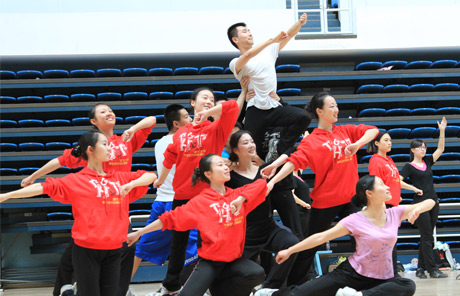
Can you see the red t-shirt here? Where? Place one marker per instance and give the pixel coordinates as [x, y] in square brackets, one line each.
[385, 169]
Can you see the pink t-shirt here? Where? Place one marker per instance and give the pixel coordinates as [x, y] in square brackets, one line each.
[374, 245]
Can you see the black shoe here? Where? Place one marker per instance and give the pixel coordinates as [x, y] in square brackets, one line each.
[437, 274]
[420, 273]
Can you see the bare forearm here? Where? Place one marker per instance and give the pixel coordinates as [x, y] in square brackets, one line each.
[285, 170]
[32, 190]
[49, 167]
[406, 186]
[367, 137]
[308, 243]
[144, 123]
[154, 226]
[144, 180]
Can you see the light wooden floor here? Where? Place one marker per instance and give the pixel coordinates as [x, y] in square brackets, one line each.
[428, 287]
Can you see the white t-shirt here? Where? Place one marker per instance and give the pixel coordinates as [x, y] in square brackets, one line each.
[262, 74]
[166, 192]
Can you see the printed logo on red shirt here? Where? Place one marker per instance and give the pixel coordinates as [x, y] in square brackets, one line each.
[393, 169]
[118, 151]
[337, 146]
[189, 141]
[106, 188]
[223, 211]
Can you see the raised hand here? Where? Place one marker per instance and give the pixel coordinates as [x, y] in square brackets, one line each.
[128, 135]
[280, 37]
[303, 19]
[442, 126]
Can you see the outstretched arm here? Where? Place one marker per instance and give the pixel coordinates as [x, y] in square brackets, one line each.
[49, 167]
[312, 241]
[442, 132]
[244, 90]
[144, 123]
[288, 168]
[32, 190]
[245, 57]
[134, 236]
[144, 180]
[369, 135]
[294, 30]
[411, 212]
[404, 185]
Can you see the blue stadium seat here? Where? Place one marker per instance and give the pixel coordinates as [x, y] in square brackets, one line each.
[160, 72]
[56, 98]
[407, 246]
[31, 146]
[81, 121]
[365, 159]
[418, 65]
[160, 118]
[186, 71]
[447, 156]
[167, 95]
[133, 119]
[228, 71]
[372, 112]
[135, 96]
[288, 92]
[436, 179]
[82, 73]
[219, 93]
[56, 73]
[423, 111]
[140, 166]
[7, 100]
[443, 64]
[450, 199]
[8, 172]
[8, 147]
[211, 70]
[27, 171]
[450, 223]
[396, 64]
[288, 68]
[139, 212]
[134, 72]
[57, 146]
[422, 133]
[119, 120]
[153, 142]
[399, 133]
[146, 144]
[108, 72]
[446, 87]
[183, 95]
[369, 66]
[6, 123]
[59, 216]
[30, 99]
[109, 96]
[452, 131]
[421, 87]
[63, 170]
[397, 112]
[400, 157]
[29, 74]
[448, 111]
[82, 98]
[370, 89]
[57, 122]
[5, 74]
[450, 179]
[31, 123]
[233, 93]
[396, 88]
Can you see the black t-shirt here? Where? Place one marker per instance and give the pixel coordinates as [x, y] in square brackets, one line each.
[421, 179]
[260, 220]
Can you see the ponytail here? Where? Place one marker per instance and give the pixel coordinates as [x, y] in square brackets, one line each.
[87, 139]
[204, 166]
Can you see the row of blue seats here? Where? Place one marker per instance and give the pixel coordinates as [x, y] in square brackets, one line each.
[79, 121]
[400, 88]
[129, 72]
[447, 156]
[66, 170]
[50, 146]
[452, 131]
[378, 112]
[129, 96]
[400, 64]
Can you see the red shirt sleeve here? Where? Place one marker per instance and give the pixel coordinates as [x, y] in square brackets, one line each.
[375, 167]
[300, 157]
[170, 155]
[68, 160]
[140, 137]
[182, 218]
[227, 120]
[58, 189]
[255, 194]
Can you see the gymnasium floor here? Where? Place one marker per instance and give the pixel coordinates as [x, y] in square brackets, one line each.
[429, 287]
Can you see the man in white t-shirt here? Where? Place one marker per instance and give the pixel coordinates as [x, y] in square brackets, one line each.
[155, 246]
[263, 110]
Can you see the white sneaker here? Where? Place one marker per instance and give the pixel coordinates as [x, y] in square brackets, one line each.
[265, 292]
[347, 291]
[68, 290]
[163, 292]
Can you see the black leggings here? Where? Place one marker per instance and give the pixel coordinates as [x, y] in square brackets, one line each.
[426, 223]
[296, 121]
[97, 271]
[236, 278]
[345, 275]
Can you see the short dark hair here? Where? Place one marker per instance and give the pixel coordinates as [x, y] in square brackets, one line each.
[232, 31]
[171, 114]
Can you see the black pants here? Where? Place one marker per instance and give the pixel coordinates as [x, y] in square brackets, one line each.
[320, 220]
[176, 262]
[97, 271]
[66, 269]
[283, 201]
[236, 278]
[345, 275]
[296, 121]
[279, 239]
[426, 223]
